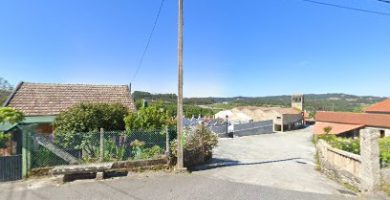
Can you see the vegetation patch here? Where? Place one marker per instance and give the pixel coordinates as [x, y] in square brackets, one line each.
[198, 146]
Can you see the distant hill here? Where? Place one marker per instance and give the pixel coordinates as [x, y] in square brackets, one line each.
[313, 102]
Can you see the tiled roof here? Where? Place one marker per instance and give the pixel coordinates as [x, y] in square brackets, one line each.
[368, 119]
[381, 107]
[336, 128]
[40, 99]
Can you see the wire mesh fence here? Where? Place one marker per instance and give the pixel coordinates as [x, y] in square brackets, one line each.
[93, 147]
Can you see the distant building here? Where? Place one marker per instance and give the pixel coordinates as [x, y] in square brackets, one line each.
[284, 119]
[347, 124]
[298, 102]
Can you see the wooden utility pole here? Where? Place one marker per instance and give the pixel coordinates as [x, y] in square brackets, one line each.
[180, 163]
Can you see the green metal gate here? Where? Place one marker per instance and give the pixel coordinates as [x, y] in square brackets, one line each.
[10, 168]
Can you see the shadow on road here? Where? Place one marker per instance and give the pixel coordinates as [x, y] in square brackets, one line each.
[219, 163]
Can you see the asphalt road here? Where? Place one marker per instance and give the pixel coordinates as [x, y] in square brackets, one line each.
[154, 186]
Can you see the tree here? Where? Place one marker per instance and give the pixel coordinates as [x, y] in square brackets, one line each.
[91, 117]
[148, 119]
[5, 90]
[8, 115]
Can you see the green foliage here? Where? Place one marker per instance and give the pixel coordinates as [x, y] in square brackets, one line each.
[113, 151]
[313, 102]
[91, 117]
[4, 138]
[10, 115]
[138, 104]
[147, 119]
[139, 95]
[5, 90]
[198, 146]
[140, 152]
[327, 130]
[345, 144]
[353, 145]
[384, 145]
[188, 110]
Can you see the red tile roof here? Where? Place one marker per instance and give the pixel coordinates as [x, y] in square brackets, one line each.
[381, 107]
[368, 119]
[336, 127]
[41, 99]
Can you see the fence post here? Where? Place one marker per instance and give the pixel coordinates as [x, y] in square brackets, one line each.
[101, 145]
[167, 148]
[369, 151]
[26, 150]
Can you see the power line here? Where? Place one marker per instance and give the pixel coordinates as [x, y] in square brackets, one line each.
[350, 8]
[148, 42]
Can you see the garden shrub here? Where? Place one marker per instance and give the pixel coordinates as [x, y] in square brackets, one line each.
[140, 152]
[4, 138]
[10, 115]
[149, 118]
[345, 144]
[384, 145]
[198, 146]
[91, 117]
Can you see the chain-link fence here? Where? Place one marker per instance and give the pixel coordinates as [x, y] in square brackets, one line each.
[93, 147]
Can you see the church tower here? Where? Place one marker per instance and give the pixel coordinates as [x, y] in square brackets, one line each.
[297, 101]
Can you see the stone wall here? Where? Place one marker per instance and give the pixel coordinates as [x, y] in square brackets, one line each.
[362, 171]
[385, 175]
[341, 165]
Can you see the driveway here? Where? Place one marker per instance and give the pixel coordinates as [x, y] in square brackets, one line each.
[279, 160]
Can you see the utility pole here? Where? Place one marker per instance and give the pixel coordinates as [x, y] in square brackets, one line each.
[180, 163]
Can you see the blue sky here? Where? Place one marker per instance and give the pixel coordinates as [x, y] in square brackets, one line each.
[248, 47]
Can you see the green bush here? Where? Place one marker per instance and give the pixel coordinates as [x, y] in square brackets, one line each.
[4, 138]
[148, 119]
[198, 146]
[384, 145]
[10, 115]
[353, 145]
[345, 144]
[140, 152]
[91, 117]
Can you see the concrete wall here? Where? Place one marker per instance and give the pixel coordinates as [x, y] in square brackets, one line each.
[339, 164]
[387, 132]
[254, 128]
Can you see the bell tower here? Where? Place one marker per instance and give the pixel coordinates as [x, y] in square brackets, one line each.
[297, 101]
